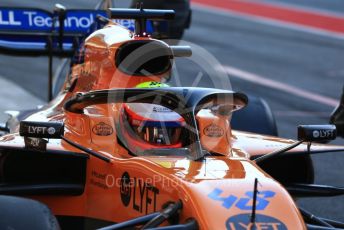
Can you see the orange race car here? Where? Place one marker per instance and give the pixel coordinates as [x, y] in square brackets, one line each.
[118, 148]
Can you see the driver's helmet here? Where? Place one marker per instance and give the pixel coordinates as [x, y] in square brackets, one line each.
[150, 125]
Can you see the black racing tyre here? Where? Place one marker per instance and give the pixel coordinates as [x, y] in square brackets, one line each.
[290, 169]
[182, 19]
[20, 213]
[337, 116]
[256, 117]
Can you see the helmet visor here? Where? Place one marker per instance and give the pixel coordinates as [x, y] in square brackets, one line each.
[154, 124]
[163, 134]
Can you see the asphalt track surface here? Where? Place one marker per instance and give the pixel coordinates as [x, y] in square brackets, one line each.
[263, 59]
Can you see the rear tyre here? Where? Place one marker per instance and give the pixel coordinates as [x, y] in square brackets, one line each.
[289, 169]
[337, 117]
[20, 213]
[256, 117]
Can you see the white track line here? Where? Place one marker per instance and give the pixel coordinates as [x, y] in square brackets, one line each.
[260, 80]
[293, 113]
[267, 21]
[294, 7]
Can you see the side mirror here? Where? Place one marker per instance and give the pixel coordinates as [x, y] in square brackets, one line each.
[316, 133]
[337, 117]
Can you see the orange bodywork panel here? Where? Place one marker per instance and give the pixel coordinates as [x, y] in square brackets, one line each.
[217, 191]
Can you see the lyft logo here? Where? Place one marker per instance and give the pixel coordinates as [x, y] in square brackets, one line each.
[323, 133]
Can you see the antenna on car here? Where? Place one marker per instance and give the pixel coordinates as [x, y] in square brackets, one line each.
[141, 15]
[60, 13]
[254, 206]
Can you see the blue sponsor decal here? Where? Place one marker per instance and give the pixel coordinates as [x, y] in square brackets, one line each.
[21, 20]
[128, 23]
[81, 20]
[243, 203]
[27, 28]
[76, 21]
[243, 222]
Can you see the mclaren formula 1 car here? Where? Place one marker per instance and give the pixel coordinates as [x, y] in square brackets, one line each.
[118, 148]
